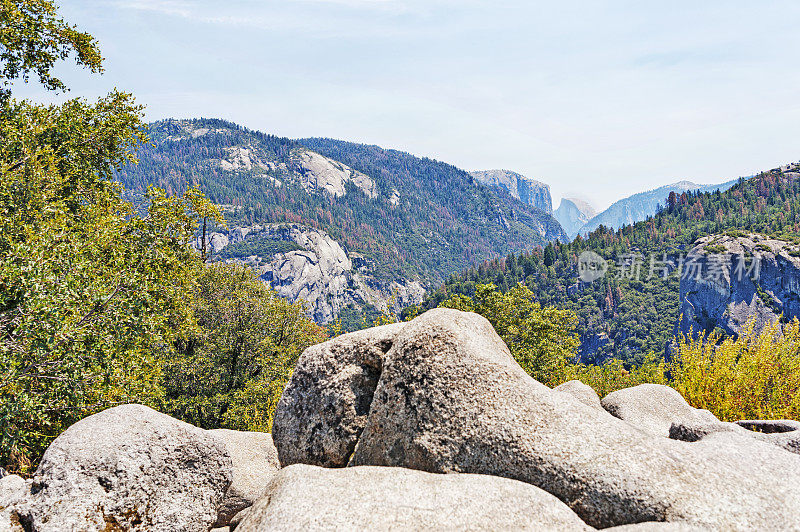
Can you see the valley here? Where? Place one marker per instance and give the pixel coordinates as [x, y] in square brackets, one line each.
[385, 225]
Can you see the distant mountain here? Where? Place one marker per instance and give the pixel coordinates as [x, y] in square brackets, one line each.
[639, 206]
[573, 214]
[523, 188]
[345, 227]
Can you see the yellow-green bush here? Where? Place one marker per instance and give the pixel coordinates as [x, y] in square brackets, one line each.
[613, 376]
[754, 376]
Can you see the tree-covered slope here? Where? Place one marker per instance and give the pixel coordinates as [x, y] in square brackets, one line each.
[627, 315]
[639, 206]
[415, 218]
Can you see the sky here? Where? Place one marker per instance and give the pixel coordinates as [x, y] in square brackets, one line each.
[598, 99]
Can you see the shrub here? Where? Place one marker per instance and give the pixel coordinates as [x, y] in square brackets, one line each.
[754, 376]
[613, 375]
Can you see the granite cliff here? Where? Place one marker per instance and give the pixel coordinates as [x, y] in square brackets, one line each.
[573, 214]
[525, 189]
[729, 280]
[301, 263]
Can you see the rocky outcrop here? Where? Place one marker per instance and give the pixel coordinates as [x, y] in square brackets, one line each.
[129, 468]
[305, 497]
[573, 214]
[446, 396]
[313, 171]
[654, 408]
[317, 172]
[661, 411]
[580, 391]
[255, 462]
[728, 281]
[319, 272]
[523, 188]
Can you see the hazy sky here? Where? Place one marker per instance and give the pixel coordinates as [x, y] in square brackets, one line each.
[598, 98]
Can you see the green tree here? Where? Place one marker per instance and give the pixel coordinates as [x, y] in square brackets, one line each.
[549, 254]
[541, 339]
[33, 38]
[92, 296]
[231, 370]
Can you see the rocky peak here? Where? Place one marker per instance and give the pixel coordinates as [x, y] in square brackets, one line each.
[301, 263]
[523, 188]
[573, 214]
[319, 172]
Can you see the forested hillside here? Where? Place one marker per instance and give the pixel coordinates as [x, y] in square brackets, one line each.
[632, 310]
[639, 206]
[416, 218]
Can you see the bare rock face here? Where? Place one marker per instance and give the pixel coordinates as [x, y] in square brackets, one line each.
[129, 468]
[319, 272]
[317, 172]
[573, 214]
[449, 398]
[303, 497]
[14, 494]
[322, 412]
[255, 462]
[523, 188]
[654, 408]
[661, 411]
[735, 279]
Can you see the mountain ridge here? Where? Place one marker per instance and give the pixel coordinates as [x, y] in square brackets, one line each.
[639, 206]
[401, 218]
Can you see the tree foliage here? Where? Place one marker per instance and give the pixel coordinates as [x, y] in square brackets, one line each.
[231, 369]
[753, 376]
[33, 38]
[91, 295]
[541, 339]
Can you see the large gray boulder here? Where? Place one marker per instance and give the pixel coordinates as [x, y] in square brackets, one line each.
[580, 391]
[450, 398]
[322, 412]
[303, 497]
[14, 493]
[782, 432]
[255, 462]
[130, 468]
[662, 411]
[654, 408]
[696, 430]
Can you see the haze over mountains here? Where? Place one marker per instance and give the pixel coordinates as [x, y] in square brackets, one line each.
[573, 214]
[577, 216]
